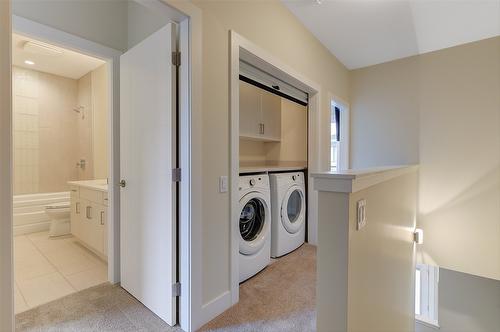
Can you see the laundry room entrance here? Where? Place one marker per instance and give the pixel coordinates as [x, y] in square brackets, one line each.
[275, 123]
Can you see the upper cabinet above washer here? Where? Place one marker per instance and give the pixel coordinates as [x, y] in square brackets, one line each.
[260, 114]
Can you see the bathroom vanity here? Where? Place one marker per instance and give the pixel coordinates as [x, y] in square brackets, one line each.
[89, 209]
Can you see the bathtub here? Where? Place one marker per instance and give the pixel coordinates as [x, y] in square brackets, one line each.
[29, 211]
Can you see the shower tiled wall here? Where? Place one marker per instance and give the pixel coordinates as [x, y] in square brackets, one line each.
[26, 132]
[84, 127]
[45, 127]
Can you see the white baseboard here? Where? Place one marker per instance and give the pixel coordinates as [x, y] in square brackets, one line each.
[214, 308]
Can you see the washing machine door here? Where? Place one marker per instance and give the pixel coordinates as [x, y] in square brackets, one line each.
[293, 209]
[253, 223]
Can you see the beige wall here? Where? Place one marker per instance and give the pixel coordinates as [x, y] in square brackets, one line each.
[293, 144]
[460, 158]
[384, 114]
[268, 24]
[382, 257]
[452, 97]
[100, 112]
[45, 144]
[366, 277]
[104, 22]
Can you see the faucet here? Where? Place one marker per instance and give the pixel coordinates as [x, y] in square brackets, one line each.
[81, 164]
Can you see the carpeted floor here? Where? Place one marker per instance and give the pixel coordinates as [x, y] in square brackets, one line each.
[100, 308]
[280, 298]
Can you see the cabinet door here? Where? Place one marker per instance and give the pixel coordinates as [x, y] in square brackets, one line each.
[87, 213]
[103, 222]
[271, 116]
[95, 235]
[250, 110]
[76, 217]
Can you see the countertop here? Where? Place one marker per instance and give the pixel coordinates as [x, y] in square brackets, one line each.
[100, 184]
[263, 167]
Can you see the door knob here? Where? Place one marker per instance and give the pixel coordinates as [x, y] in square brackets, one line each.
[122, 183]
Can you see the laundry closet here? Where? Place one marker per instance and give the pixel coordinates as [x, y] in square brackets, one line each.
[273, 133]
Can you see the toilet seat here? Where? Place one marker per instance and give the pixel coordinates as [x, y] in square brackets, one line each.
[55, 206]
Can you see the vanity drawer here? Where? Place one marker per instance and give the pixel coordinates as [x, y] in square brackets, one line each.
[104, 198]
[74, 191]
[91, 195]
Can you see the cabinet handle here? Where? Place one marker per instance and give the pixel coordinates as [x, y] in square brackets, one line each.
[263, 129]
[102, 217]
[89, 212]
[77, 208]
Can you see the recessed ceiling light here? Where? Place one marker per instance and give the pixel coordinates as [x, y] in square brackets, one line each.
[29, 62]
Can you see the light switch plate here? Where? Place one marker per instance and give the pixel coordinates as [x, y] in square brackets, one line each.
[223, 184]
[361, 214]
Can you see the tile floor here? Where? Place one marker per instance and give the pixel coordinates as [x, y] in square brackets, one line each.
[46, 269]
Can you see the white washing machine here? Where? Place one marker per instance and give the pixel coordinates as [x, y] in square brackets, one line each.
[288, 202]
[254, 224]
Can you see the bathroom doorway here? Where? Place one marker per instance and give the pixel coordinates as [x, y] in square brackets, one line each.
[61, 109]
[24, 21]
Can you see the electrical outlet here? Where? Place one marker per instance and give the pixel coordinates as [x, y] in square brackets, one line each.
[223, 184]
[361, 214]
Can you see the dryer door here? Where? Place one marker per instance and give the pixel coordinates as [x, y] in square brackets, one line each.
[253, 223]
[293, 209]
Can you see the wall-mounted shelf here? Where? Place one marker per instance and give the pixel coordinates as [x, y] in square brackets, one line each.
[249, 167]
[259, 138]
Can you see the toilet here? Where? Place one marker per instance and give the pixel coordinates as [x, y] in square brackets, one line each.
[59, 214]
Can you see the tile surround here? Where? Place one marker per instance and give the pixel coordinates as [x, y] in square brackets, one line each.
[50, 268]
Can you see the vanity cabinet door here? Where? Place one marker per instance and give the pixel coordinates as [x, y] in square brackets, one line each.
[76, 217]
[95, 230]
[87, 217]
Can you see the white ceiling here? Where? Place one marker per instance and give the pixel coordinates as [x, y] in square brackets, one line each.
[361, 33]
[67, 64]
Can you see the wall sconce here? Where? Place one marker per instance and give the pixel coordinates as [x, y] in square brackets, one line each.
[418, 236]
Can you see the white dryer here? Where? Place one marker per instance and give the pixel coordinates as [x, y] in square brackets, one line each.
[254, 224]
[288, 201]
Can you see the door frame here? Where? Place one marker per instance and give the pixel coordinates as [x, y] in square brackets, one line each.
[242, 48]
[191, 310]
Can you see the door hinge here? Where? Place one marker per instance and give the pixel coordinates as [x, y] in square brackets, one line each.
[176, 58]
[176, 289]
[176, 175]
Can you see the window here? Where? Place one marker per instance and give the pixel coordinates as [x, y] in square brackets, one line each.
[426, 294]
[335, 138]
[339, 135]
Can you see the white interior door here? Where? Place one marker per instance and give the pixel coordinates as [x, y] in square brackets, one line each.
[147, 157]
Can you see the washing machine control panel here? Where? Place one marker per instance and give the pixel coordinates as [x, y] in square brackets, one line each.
[253, 181]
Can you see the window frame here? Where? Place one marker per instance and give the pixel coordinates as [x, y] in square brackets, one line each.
[429, 295]
[343, 144]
